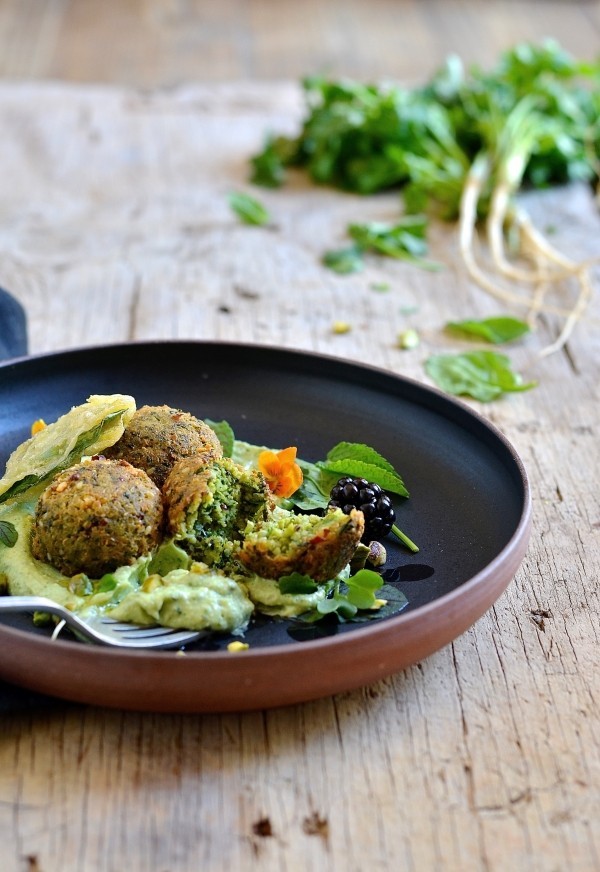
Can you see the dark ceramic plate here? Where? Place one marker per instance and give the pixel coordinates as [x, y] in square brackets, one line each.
[469, 511]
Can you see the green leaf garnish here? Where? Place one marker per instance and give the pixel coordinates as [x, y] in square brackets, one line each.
[106, 583]
[483, 375]
[297, 584]
[8, 534]
[248, 209]
[224, 433]
[355, 600]
[395, 601]
[495, 330]
[357, 459]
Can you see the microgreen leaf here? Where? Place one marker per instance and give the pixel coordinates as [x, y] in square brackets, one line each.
[8, 534]
[483, 375]
[395, 601]
[496, 330]
[224, 433]
[248, 209]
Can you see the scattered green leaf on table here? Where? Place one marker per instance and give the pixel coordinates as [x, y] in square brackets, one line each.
[404, 240]
[249, 209]
[496, 330]
[344, 260]
[483, 375]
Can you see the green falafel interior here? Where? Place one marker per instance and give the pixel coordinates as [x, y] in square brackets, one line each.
[201, 546]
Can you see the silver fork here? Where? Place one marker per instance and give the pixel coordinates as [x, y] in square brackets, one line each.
[101, 629]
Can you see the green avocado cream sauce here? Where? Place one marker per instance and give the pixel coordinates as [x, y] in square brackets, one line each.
[166, 588]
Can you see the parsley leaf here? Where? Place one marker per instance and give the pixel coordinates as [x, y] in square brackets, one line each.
[496, 330]
[248, 209]
[483, 375]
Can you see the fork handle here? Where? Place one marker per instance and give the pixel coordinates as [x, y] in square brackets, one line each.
[30, 604]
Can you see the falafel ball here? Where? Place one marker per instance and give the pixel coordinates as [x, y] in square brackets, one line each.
[158, 436]
[309, 544]
[97, 516]
[209, 501]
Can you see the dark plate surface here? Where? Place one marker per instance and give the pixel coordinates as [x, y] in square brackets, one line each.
[469, 511]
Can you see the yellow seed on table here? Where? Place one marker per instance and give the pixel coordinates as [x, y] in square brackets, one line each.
[408, 339]
[341, 327]
[238, 646]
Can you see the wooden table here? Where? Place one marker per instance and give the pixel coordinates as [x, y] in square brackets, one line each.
[114, 225]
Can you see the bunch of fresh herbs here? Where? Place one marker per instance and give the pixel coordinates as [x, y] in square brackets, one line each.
[460, 146]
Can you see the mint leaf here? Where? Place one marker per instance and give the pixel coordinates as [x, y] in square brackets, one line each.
[483, 375]
[8, 534]
[495, 330]
[248, 209]
[224, 433]
[358, 451]
[297, 583]
[389, 481]
[362, 461]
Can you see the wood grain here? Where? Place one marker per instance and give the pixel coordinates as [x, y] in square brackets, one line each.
[114, 225]
[486, 756]
[161, 43]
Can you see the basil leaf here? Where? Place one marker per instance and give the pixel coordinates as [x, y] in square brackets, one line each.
[249, 209]
[483, 375]
[8, 534]
[495, 330]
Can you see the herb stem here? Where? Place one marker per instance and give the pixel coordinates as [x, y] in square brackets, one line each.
[404, 539]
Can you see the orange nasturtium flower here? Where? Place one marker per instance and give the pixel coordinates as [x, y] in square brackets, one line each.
[281, 471]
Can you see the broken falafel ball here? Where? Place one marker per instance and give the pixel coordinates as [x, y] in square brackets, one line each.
[158, 436]
[208, 503]
[96, 516]
[319, 547]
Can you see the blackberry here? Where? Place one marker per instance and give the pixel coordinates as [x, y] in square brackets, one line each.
[376, 506]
